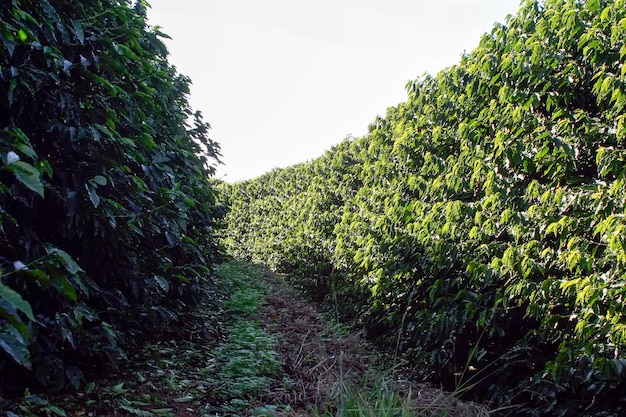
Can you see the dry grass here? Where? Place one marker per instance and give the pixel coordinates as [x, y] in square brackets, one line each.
[333, 372]
[429, 401]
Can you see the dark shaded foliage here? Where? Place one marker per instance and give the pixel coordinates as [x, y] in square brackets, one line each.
[106, 214]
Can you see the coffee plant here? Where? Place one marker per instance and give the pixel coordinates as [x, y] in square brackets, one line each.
[107, 218]
[478, 229]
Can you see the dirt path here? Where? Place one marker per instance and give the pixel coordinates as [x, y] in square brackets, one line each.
[321, 360]
[324, 362]
[260, 349]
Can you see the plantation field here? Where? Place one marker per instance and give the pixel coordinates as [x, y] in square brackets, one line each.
[478, 228]
[474, 240]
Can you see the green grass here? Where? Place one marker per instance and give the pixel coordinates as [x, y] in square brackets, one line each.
[382, 401]
[247, 363]
[373, 403]
[244, 285]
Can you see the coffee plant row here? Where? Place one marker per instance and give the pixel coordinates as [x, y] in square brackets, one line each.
[479, 229]
[107, 218]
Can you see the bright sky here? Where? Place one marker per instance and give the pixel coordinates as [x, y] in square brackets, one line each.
[281, 81]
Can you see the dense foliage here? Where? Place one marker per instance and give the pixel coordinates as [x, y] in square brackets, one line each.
[479, 228]
[106, 215]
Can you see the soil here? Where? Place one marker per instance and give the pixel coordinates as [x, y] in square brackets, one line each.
[319, 361]
[323, 360]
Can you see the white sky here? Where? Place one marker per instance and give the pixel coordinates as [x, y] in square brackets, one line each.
[281, 81]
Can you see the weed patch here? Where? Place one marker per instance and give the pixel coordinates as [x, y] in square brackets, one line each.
[246, 364]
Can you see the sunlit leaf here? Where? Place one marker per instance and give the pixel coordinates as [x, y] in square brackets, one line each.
[22, 35]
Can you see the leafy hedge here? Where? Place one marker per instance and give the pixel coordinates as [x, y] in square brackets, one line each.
[479, 228]
[107, 218]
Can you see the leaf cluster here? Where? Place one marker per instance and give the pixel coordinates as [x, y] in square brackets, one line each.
[107, 217]
[478, 228]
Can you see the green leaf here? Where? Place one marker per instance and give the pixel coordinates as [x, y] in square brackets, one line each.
[189, 202]
[104, 129]
[11, 315]
[182, 278]
[46, 167]
[14, 299]
[75, 375]
[100, 180]
[93, 196]
[26, 149]
[184, 399]
[56, 410]
[159, 411]
[14, 344]
[190, 241]
[162, 283]
[127, 52]
[137, 411]
[22, 35]
[35, 399]
[119, 388]
[593, 5]
[8, 311]
[78, 31]
[64, 286]
[68, 262]
[27, 175]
